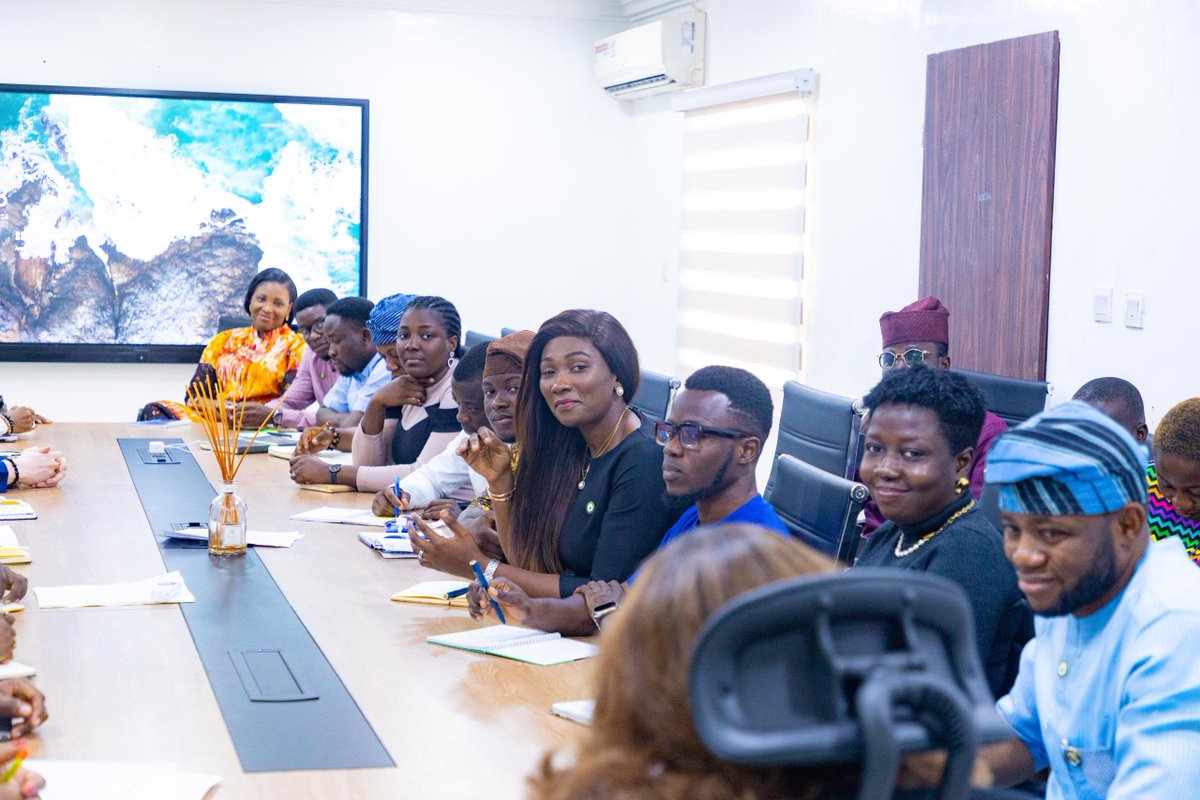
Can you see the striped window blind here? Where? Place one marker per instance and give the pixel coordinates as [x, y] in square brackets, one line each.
[741, 265]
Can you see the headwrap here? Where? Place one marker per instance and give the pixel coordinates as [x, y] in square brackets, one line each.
[507, 354]
[385, 318]
[926, 320]
[1067, 461]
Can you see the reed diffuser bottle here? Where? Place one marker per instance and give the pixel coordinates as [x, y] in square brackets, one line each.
[227, 522]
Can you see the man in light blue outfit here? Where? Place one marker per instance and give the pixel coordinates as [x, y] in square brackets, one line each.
[1108, 694]
[362, 370]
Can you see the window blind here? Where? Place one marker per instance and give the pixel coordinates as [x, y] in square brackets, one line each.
[741, 266]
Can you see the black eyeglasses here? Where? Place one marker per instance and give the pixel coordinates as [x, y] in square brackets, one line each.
[316, 327]
[888, 359]
[690, 433]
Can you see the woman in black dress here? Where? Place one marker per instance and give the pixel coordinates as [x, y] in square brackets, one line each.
[919, 440]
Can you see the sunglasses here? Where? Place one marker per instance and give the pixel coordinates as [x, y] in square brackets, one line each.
[690, 433]
[888, 359]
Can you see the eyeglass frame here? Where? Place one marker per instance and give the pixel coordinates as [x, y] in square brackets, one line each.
[701, 431]
[903, 357]
[317, 327]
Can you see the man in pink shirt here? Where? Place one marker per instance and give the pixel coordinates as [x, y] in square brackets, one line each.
[317, 373]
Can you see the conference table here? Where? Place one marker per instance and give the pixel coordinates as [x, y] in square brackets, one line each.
[126, 684]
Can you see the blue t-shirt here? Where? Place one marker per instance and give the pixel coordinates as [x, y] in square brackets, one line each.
[755, 511]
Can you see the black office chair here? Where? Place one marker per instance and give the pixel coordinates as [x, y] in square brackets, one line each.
[820, 429]
[653, 399]
[1014, 400]
[858, 667]
[227, 322]
[819, 509]
[508, 331]
[472, 338]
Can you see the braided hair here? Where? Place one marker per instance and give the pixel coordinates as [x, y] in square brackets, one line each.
[448, 314]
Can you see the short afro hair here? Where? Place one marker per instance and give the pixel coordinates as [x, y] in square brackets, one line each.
[315, 297]
[1114, 390]
[272, 275]
[959, 405]
[469, 368]
[351, 309]
[1179, 431]
[749, 398]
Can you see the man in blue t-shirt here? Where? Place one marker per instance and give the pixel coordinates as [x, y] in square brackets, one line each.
[711, 441]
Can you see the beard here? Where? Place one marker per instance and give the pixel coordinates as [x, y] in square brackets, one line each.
[715, 487]
[1100, 577]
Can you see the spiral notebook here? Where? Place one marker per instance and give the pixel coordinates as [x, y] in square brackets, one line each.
[521, 644]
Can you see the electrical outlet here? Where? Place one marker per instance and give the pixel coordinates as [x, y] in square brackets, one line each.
[1135, 309]
[1102, 304]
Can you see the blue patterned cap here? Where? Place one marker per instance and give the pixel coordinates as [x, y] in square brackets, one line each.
[385, 318]
[1067, 461]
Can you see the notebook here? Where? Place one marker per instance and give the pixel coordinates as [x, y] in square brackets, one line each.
[199, 533]
[117, 780]
[435, 593]
[168, 588]
[286, 451]
[344, 516]
[389, 545]
[580, 711]
[327, 488]
[521, 644]
[11, 551]
[14, 669]
[12, 508]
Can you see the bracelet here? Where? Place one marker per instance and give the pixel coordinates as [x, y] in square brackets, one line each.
[9, 423]
[490, 572]
[499, 498]
[337, 437]
[12, 462]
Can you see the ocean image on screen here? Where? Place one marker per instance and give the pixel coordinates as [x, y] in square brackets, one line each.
[140, 220]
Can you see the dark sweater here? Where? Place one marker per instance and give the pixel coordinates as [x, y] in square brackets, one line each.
[969, 552]
[619, 517]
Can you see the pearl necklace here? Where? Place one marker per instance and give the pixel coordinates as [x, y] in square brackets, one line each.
[901, 552]
[588, 466]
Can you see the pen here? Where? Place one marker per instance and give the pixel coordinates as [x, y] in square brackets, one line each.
[14, 766]
[396, 490]
[479, 576]
[453, 593]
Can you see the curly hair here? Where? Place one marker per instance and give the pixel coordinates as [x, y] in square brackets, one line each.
[749, 397]
[959, 405]
[448, 313]
[643, 742]
[1179, 431]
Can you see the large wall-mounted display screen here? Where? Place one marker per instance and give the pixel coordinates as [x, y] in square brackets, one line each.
[131, 221]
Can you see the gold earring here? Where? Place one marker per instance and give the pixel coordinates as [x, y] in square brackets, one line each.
[620, 390]
[961, 485]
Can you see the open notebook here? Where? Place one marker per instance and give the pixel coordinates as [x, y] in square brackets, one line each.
[12, 508]
[435, 593]
[521, 644]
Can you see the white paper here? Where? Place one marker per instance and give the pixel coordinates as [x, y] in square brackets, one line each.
[344, 516]
[580, 711]
[15, 669]
[120, 780]
[8, 537]
[11, 508]
[272, 538]
[168, 588]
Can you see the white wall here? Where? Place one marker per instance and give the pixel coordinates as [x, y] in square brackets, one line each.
[499, 173]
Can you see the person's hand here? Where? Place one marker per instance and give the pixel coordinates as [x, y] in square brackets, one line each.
[485, 453]
[597, 593]
[483, 530]
[309, 469]
[314, 440]
[435, 508]
[402, 391]
[385, 502]
[26, 784]
[25, 419]
[13, 585]
[451, 554]
[253, 414]
[20, 698]
[514, 602]
[40, 467]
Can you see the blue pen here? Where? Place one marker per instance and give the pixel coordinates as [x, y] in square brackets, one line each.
[396, 489]
[483, 582]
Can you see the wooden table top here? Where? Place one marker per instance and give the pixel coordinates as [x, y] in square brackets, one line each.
[126, 683]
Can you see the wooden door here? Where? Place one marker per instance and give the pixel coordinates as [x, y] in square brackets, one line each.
[988, 197]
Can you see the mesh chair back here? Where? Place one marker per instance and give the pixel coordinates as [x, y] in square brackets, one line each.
[852, 667]
[819, 509]
[472, 338]
[1014, 400]
[654, 395]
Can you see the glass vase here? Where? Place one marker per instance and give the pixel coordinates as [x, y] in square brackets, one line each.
[227, 522]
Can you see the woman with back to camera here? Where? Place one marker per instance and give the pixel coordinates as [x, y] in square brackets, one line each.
[587, 502]
[919, 441]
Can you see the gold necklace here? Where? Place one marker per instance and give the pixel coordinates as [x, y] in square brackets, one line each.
[902, 552]
[588, 466]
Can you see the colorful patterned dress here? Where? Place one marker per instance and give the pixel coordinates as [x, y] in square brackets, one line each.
[1166, 521]
[247, 366]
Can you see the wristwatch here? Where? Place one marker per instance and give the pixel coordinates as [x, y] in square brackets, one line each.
[603, 610]
[277, 418]
[334, 469]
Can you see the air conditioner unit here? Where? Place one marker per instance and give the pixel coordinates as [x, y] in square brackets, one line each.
[656, 57]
